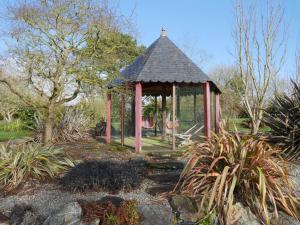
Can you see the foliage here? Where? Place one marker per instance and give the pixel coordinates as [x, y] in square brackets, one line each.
[9, 104]
[20, 162]
[72, 126]
[229, 168]
[49, 39]
[109, 176]
[93, 108]
[109, 54]
[228, 80]
[283, 118]
[110, 214]
[28, 117]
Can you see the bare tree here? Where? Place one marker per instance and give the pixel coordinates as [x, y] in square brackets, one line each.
[47, 36]
[297, 75]
[260, 45]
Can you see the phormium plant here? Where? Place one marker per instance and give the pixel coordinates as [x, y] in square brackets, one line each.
[229, 169]
[283, 117]
[19, 162]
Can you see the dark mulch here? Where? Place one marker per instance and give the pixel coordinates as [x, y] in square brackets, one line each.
[108, 176]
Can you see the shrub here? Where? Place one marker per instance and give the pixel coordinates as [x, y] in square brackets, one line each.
[28, 117]
[19, 162]
[72, 126]
[228, 169]
[283, 117]
[101, 175]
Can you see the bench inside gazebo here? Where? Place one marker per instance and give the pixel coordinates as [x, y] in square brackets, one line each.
[169, 101]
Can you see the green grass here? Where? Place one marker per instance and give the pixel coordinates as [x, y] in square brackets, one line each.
[240, 124]
[13, 130]
[11, 135]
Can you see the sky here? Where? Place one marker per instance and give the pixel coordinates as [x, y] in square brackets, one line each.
[201, 28]
[204, 26]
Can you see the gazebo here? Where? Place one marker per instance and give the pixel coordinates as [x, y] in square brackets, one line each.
[166, 74]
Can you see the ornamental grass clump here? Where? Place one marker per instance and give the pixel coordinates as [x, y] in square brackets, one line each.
[230, 169]
[28, 160]
[283, 117]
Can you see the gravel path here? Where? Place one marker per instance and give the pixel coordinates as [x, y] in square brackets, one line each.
[51, 198]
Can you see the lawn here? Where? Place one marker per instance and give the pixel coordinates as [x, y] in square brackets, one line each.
[240, 124]
[11, 135]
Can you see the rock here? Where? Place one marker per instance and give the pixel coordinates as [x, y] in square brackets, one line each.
[165, 178]
[170, 165]
[285, 219]
[31, 218]
[243, 216]
[185, 207]
[155, 214]
[66, 215]
[4, 220]
[295, 177]
[24, 215]
[95, 222]
[159, 189]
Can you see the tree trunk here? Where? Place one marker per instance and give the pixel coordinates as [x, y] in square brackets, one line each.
[255, 126]
[48, 126]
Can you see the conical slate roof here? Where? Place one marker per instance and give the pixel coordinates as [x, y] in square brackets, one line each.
[163, 61]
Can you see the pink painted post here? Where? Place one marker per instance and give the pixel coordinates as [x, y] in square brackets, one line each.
[108, 118]
[207, 119]
[138, 117]
[217, 112]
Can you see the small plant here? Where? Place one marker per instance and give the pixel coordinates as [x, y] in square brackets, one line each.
[109, 176]
[19, 162]
[283, 118]
[108, 213]
[229, 169]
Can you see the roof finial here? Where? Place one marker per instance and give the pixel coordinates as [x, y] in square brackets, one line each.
[163, 32]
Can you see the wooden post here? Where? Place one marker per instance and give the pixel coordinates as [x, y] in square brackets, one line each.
[156, 116]
[195, 110]
[108, 118]
[217, 112]
[174, 116]
[164, 115]
[207, 119]
[132, 118]
[138, 117]
[178, 105]
[122, 119]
